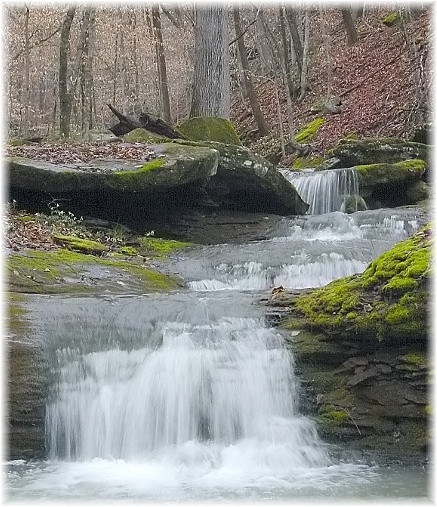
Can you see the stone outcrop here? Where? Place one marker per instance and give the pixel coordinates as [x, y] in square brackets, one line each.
[184, 173]
[361, 348]
[209, 128]
[390, 184]
[352, 152]
[174, 166]
[245, 180]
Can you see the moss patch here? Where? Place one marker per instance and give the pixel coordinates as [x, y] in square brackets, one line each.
[144, 136]
[86, 246]
[387, 302]
[308, 132]
[65, 271]
[210, 129]
[372, 175]
[158, 247]
[307, 162]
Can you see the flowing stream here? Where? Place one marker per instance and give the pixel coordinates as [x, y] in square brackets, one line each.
[191, 395]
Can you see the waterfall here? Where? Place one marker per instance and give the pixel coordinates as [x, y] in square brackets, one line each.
[324, 191]
[207, 387]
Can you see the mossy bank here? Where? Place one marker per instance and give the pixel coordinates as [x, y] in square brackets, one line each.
[361, 349]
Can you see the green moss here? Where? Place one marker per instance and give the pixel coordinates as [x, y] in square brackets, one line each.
[160, 247]
[415, 358]
[210, 128]
[63, 271]
[157, 163]
[391, 19]
[336, 416]
[79, 244]
[388, 301]
[308, 132]
[390, 173]
[144, 136]
[129, 250]
[307, 162]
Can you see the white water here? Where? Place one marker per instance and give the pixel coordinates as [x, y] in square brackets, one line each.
[302, 252]
[324, 191]
[191, 396]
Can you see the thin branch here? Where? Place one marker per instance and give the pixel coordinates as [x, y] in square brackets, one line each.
[45, 39]
[246, 29]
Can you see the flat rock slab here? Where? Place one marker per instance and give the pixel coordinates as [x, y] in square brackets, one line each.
[174, 166]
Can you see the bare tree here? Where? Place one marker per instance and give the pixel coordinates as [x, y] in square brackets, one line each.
[349, 24]
[86, 71]
[65, 95]
[211, 93]
[263, 126]
[161, 65]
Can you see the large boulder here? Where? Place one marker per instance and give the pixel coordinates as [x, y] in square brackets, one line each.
[245, 180]
[353, 152]
[174, 166]
[389, 184]
[210, 128]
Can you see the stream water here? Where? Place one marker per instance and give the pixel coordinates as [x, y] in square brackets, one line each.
[191, 396]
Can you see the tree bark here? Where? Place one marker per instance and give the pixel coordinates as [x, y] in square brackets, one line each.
[161, 65]
[348, 21]
[294, 30]
[65, 98]
[211, 86]
[26, 95]
[87, 35]
[263, 126]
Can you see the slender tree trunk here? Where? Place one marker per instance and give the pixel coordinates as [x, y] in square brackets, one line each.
[263, 126]
[294, 30]
[26, 95]
[65, 98]
[352, 34]
[161, 65]
[87, 35]
[286, 53]
[211, 86]
[306, 44]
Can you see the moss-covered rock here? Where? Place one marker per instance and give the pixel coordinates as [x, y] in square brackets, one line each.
[64, 271]
[175, 166]
[211, 128]
[393, 18]
[390, 184]
[353, 152]
[144, 136]
[309, 131]
[388, 302]
[86, 246]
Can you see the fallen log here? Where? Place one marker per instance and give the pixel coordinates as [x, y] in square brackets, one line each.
[146, 121]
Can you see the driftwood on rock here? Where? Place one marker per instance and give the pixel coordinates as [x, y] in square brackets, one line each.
[146, 121]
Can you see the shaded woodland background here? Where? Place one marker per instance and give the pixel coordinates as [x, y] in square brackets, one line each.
[365, 69]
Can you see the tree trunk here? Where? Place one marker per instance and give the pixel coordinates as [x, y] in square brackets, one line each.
[89, 18]
[263, 126]
[65, 98]
[294, 30]
[286, 54]
[306, 44]
[352, 34]
[211, 86]
[161, 65]
[26, 95]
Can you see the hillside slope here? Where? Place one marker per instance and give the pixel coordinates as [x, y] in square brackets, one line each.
[383, 82]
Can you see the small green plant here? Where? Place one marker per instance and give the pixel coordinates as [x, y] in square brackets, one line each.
[59, 220]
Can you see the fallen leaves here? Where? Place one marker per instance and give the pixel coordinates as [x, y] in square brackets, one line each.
[81, 153]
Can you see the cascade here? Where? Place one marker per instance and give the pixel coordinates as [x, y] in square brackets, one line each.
[324, 191]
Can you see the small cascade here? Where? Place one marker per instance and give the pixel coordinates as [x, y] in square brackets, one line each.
[207, 387]
[324, 191]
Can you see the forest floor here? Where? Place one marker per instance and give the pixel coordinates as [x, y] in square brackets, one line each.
[375, 79]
